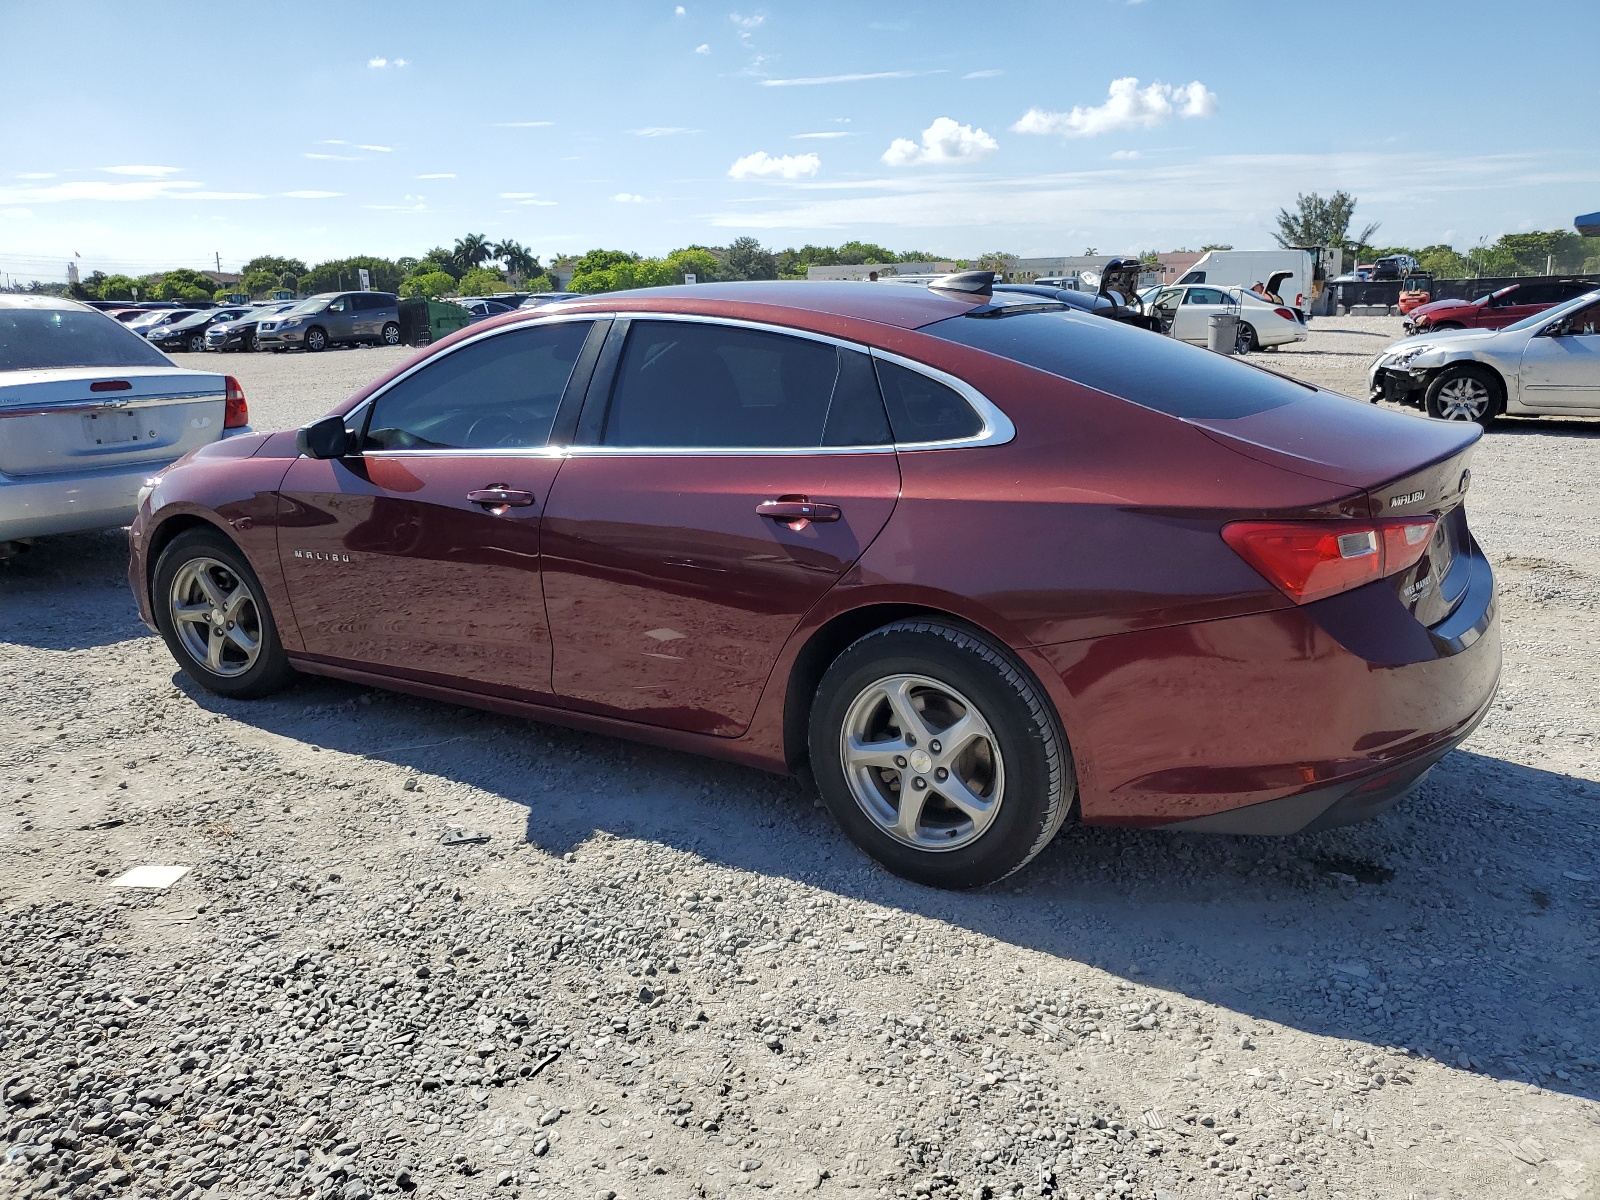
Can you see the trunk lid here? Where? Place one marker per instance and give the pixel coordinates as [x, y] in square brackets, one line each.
[71, 419]
[1431, 589]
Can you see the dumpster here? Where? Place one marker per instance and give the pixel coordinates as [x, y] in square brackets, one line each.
[424, 321]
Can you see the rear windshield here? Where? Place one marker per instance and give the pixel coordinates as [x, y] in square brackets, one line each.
[1133, 364]
[36, 339]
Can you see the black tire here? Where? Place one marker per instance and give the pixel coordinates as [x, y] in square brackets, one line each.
[1466, 393]
[252, 343]
[391, 334]
[197, 343]
[316, 339]
[1246, 341]
[1033, 786]
[270, 671]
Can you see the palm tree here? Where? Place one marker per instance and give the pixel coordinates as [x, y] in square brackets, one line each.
[519, 261]
[471, 251]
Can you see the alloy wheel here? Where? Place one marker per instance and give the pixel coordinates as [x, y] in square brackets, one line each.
[922, 762]
[1463, 398]
[216, 616]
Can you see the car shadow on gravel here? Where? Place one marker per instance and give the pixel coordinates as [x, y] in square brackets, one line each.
[69, 593]
[1459, 924]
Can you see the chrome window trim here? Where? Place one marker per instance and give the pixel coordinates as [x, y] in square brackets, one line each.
[997, 427]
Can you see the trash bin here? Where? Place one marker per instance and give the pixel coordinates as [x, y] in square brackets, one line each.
[1222, 333]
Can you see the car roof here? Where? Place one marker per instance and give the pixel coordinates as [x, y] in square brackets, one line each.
[885, 304]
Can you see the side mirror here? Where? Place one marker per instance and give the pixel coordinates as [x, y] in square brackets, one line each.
[324, 438]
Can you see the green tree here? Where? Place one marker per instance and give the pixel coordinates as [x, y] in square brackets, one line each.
[1491, 260]
[1319, 222]
[997, 261]
[180, 283]
[1442, 262]
[1551, 250]
[853, 254]
[289, 282]
[748, 259]
[259, 282]
[470, 251]
[274, 264]
[340, 275]
[518, 261]
[1210, 246]
[437, 259]
[429, 285]
[598, 271]
[482, 281]
[117, 287]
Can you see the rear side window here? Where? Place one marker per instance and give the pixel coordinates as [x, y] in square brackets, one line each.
[37, 339]
[682, 385]
[1133, 364]
[923, 409]
[500, 393]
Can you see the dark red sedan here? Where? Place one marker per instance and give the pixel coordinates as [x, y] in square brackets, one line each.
[975, 562]
[1502, 307]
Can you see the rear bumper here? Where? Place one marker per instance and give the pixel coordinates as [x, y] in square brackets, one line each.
[1296, 719]
[40, 506]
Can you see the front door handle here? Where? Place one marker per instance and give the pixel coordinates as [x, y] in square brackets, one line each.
[500, 497]
[797, 512]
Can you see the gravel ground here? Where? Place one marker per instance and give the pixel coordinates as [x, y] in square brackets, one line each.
[641, 974]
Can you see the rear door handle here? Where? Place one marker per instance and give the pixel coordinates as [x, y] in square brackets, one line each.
[500, 497]
[797, 512]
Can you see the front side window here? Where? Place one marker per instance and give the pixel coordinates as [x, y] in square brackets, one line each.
[1201, 295]
[499, 393]
[339, 305]
[685, 385]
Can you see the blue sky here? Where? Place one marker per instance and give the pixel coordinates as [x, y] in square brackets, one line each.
[140, 138]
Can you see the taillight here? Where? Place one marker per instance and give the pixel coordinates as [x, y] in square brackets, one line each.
[1286, 314]
[1311, 560]
[236, 411]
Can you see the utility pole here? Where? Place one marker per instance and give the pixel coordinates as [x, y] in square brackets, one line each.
[218, 253]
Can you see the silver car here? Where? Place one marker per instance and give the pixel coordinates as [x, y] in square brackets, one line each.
[1547, 364]
[88, 412]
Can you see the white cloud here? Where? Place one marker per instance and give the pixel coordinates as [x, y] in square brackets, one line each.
[15, 214]
[945, 141]
[1127, 155]
[628, 198]
[787, 166]
[400, 62]
[148, 172]
[37, 175]
[93, 189]
[748, 23]
[680, 11]
[814, 80]
[832, 133]
[1128, 106]
[331, 157]
[528, 198]
[989, 74]
[522, 124]
[333, 142]
[310, 194]
[379, 149]
[703, 48]
[518, 195]
[438, 175]
[661, 130]
[377, 64]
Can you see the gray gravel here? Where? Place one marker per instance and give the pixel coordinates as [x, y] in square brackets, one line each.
[661, 976]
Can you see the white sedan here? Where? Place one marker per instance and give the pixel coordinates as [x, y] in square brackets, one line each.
[88, 411]
[1545, 364]
[1263, 325]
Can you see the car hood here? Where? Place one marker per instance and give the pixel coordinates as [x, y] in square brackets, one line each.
[1440, 337]
[1435, 306]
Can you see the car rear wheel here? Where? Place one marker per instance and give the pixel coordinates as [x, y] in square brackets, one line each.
[391, 334]
[316, 340]
[1466, 393]
[1246, 341]
[213, 615]
[253, 342]
[938, 755]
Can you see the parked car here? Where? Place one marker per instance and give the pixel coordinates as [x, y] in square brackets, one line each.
[239, 333]
[972, 561]
[334, 319]
[482, 310]
[1547, 363]
[190, 333]
[1185, 312]
[1293, 270]
[157, 318]
[1394, 266]
[1499, 308]
[88, 411]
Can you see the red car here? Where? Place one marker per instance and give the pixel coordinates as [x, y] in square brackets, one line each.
[974, 562]
[1498, 309]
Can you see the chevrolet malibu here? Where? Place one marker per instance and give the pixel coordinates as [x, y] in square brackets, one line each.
[972, 562]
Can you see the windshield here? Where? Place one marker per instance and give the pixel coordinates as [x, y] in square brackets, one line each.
[1551, 315]
[314, 305]
[34, 339]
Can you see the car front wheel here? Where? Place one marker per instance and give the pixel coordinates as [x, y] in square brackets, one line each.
[316, 340]
[1466, 393]
[213, 615]
[938, 755]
